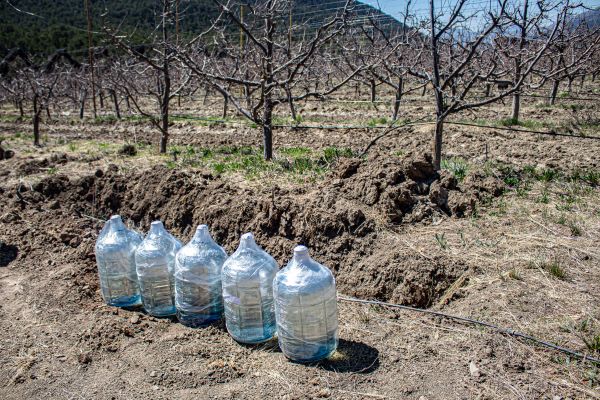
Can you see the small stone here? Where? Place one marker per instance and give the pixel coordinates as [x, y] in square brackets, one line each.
[324, 393]
[66, 237]
[84, 358]
[55, 205]
[135, 319]
[474, 370]
[153, 374]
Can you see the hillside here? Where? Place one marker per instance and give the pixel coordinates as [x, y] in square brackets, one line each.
[591, 18]
[62, 23]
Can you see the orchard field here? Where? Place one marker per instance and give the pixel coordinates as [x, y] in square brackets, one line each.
[443, 161]
[513, 243]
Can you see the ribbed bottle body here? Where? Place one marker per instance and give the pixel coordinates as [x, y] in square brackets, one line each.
[306, 310]
[118, 279]
[198, 297]
[249, 306]
[248, 292]
[115, 249]
[155, 285]
[154, 259]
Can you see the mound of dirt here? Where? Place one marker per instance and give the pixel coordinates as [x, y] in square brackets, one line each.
[343, 220]
[34, 166]
[5, 154]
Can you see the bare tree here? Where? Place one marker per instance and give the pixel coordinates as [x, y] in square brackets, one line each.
[269, 62]
[467, 48]
[38, 89]
[150, 72]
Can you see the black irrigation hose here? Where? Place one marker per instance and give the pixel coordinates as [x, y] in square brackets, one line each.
[362, 127]
[507, 128]
[561, 97]
[504, 331]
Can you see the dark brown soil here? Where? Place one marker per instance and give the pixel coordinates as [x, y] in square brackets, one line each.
[338, 220]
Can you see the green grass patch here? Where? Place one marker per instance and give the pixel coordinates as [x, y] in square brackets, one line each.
[373, 122]
[249, 161]
[295, 151]
[331, 154]
[555, 269]
[457, 166]
[529, 124]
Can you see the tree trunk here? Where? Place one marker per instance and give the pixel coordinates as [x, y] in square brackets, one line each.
[554, 92]
[116, 102]
[268, 130]
[424, 90]
[128, 104]
[21, 112]
[225, 105]
[48, 112]
[166, 95]
[373, 94]
[291, 103]
[101, 97]
[437, 144]
[247, 96]
[488, 87]
[205, 96]
[267, 122]
[82, 104]
[36, 121]
[582, 81]
[439, 95]
[516, 107]
[570, 84]
[399, 90]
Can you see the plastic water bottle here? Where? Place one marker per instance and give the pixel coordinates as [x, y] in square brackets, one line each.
[115, 249]
[248, 292]
[198, 265]
[154, 260]
[306, 309]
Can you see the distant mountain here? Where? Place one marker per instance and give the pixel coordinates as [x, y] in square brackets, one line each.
[591, 18]
[60, 24]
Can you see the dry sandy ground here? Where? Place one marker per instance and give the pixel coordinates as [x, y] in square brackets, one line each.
[527, 259]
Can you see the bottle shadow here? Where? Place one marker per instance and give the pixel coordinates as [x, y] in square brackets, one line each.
[352, 357]
[8, 253]
[270, 346]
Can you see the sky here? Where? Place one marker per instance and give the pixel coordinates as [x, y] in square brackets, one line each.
[395, 7]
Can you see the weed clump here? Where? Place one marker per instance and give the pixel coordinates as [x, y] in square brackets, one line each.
[556, 270]
[457, 166]
[128, 150]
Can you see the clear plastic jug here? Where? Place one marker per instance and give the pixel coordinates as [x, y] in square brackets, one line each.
[248, 292]
[306, 309]
[115, 250]
[198, 265]
[155, 259]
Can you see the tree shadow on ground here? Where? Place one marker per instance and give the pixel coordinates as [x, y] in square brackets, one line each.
[8, 253]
